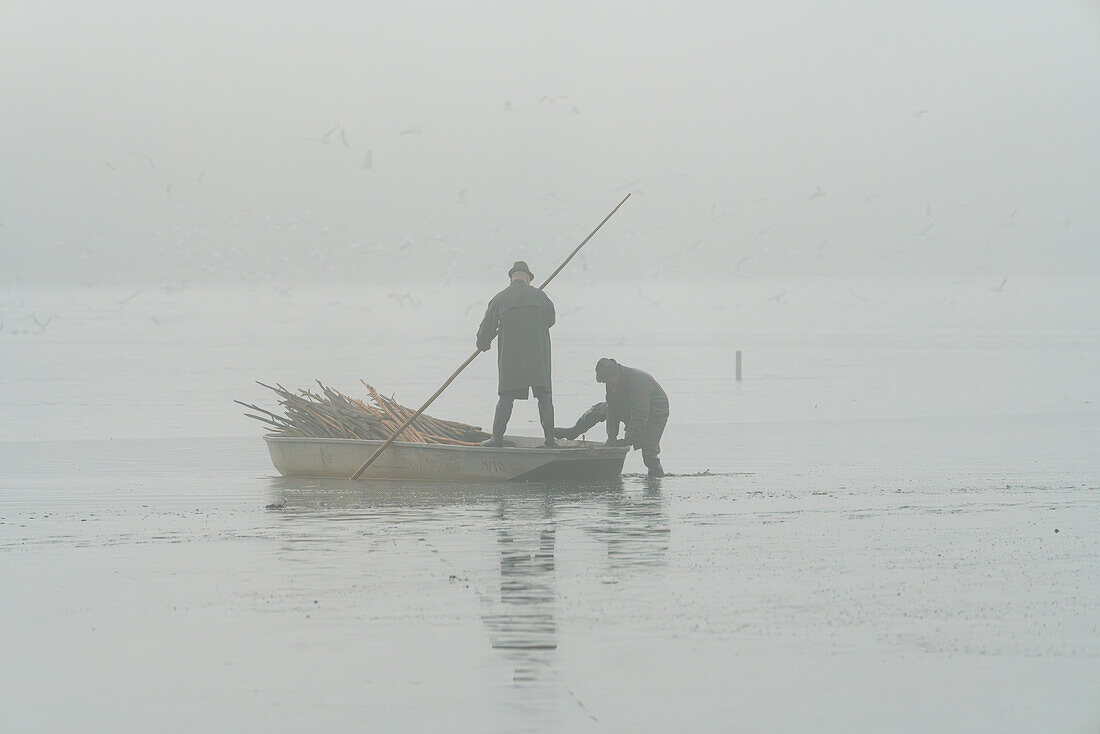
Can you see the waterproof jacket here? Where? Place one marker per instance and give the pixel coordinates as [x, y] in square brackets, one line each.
[522, 316]
[636, 400]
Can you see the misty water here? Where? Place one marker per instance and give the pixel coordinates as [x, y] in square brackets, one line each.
[890, 523]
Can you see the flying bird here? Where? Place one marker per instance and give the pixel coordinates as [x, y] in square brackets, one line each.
[999, 288]
[147, 160]
[343, 138]
[414, 130]
[368, 160]
[920, 113]
[327, 137]
[817, 194]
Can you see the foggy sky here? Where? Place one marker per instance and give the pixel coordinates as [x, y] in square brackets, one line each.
[168, 142]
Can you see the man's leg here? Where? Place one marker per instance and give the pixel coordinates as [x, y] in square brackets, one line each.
[500, 422]
[596, 414]
[546, 414]
[652, 448]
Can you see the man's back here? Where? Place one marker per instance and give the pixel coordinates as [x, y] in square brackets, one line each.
[522, 316]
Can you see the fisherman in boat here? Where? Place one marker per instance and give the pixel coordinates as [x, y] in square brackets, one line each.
[522, 316]
[634, 398]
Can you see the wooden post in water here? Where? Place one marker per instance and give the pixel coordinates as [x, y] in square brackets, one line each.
[738, 368]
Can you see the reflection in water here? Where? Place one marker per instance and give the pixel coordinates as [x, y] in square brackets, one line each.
[522, 618]
[635, 528]
[521, 623]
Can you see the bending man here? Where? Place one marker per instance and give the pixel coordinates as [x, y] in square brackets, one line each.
[634, 398]
[522, 316]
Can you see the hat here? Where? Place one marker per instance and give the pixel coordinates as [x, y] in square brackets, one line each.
[605, 368]
[521, 267]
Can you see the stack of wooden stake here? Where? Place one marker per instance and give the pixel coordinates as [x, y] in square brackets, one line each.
[331, 414]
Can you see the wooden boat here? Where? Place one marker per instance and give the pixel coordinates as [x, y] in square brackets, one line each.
[522, 459]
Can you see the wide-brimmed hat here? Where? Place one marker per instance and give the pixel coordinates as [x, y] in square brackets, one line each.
[521, 267]
[605, 368]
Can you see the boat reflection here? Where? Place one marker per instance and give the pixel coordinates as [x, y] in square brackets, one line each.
[521, 600]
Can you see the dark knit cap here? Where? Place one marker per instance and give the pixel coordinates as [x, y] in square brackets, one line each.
[605, 368]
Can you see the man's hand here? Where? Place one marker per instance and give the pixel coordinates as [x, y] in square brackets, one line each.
[485, 347]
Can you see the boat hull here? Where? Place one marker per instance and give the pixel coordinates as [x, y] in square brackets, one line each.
[522, 460]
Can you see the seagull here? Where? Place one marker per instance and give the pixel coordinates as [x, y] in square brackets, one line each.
[368, 160]
[327, 137]
[414, 130]
[462, 196]
[344, 137]
[131, 297]
[508, 106]
[920, 113]
[764, 231]
[147, 159]
[628, 185]
[778, 297]
[575, 110]
[41, 326]
[817, 194]
[999, 288]
[108, 164]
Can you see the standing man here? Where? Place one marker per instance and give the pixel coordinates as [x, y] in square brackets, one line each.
[634, 398]
[522, 315]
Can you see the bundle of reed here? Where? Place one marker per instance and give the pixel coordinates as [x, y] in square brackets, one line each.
[331, 414]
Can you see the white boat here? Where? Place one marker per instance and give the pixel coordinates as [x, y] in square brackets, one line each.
[522, 459]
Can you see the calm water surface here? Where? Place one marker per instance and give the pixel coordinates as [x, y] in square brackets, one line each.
[870, 533]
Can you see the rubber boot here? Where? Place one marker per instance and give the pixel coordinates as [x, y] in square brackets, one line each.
[500, 424]
[654, 466]
[546, 418]
[596, 414]
[569, 433]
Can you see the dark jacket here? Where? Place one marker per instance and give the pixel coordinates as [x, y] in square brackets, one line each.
[522, 315]
[635, 401]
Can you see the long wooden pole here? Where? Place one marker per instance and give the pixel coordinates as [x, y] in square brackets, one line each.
[472, 357]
